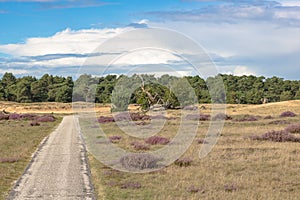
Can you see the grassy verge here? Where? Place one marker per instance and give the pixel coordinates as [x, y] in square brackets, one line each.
[18, 140]
[237, 168]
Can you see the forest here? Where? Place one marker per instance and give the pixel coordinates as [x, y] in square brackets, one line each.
[148, 90]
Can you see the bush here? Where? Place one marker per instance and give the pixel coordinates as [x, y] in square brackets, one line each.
[139, 161]
[9, 160]
[183, 162]
[115, 138]
[159, 117]
[268, 117]
[190, 108]
[153, 140]
[103, 119]
[277, 136]
[14, 116]
[277, 122]
[246, 118]
[28, 116]
[287, 114]
[221, 116]
[45, 118]
[125, 116]
[34, 123]
[293, 128]
[194, 189]
[230, 188]
[140, 146]
[4, 116]
[131, 185]
[202, 141]
[200, 117]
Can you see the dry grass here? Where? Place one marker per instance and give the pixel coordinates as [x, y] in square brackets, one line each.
[18, 140]
[231, 109]
[237, 167]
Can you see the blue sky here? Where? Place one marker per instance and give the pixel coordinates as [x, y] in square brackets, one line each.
[259, 37]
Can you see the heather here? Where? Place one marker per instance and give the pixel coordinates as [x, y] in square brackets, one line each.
[200, 117]
[154, 140]
[232, 170]
[245, 118]
[20, 135]
[277, 136]
[139, 161]
[287, 114]
[293, 128]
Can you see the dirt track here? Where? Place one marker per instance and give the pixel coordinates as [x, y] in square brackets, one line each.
[58, 169]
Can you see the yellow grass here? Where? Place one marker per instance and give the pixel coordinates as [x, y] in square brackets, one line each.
[256, 169]
[18, 140]
[104, 109]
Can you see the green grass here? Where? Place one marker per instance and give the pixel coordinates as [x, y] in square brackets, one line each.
[18, 140]
[256, 169]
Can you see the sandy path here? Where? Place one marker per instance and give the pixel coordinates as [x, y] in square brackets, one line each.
[58, 169]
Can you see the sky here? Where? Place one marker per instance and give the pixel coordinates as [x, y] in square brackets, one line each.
[66, 37]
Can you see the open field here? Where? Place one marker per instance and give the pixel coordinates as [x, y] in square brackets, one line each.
[18, 140]
[231, 109]
[236, 168]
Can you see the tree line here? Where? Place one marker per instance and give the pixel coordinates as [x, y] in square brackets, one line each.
[148, 90]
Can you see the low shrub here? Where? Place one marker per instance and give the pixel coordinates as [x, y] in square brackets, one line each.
[230, 188]
[183, 162]
[45, 118]
[287, 114]
[221, 116]
[190, 108]
[158, 117]
[138, 117]
[115, 138]
[293, 128]
[122, 116]
[34, 123]
[142, 123]
[4, 116]
[9, 160]
[202, 141]
[268, 117]
[125, 116]
[104, 119]
[200, 117]
[28, 116]
[14, 116]
[194, 189]
[245, 118]
[153, 140]
[131, 185]
[140, 146]
[277, 136]
[139, 161]
[278, 122]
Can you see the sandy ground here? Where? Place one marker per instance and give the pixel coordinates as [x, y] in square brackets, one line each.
[231, 109]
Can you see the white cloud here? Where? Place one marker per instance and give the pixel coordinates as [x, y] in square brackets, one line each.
[289, 3]
[75, 48]
[64, 42]
[243, 70]
[14, 71]
[146, 56]
[268, 48]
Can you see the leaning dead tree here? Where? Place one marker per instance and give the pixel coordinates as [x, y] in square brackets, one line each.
[5, 112]
[152, 99]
